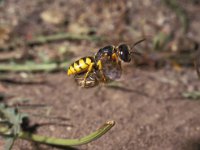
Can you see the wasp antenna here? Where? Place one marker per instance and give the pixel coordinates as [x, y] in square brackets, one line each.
[134, 52]
[138, 42]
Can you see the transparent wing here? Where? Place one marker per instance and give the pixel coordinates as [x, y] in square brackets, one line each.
[112, 70]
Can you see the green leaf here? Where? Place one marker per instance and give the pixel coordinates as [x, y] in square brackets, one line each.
[68, 142]
[10, 124]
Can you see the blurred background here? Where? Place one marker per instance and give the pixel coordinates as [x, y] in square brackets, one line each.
[156, 101]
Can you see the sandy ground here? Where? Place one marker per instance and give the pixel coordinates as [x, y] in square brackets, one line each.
[147, 107]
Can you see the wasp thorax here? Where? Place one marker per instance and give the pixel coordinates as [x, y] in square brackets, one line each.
[123, 52]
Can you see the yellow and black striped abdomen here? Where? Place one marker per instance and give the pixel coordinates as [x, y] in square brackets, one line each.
[80, 65]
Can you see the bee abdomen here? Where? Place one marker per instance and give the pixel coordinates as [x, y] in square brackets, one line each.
[80, 65]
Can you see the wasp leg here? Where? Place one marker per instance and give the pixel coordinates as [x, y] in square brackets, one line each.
[115, 58]
[87, 74]
[100, 67]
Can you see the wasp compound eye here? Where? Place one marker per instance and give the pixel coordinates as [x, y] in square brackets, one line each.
[124, 53]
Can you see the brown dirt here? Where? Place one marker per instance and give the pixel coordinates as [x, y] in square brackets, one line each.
[147, 105]
[148, 110]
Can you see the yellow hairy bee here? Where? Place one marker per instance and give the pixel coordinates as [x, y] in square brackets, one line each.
[91, 68]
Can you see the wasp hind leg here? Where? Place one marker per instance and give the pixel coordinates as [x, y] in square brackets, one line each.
[87, 74]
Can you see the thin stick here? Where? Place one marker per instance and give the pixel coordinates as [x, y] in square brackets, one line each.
[197, 68]
[180, 12]
[64, 142]
[50, 38]
[33, 67]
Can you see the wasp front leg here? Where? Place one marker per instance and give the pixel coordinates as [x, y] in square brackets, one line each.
[115, 58]
[100, 67]
[88, 72]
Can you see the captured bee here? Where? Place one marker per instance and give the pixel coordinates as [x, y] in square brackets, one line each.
[91, 81]
[111, 70]
[97, 68]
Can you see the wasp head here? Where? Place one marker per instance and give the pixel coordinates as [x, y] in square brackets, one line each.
[124, 53]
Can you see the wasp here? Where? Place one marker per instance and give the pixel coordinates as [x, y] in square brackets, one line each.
[90, 66]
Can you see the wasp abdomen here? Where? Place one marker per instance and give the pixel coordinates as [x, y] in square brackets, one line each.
[80, 65]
